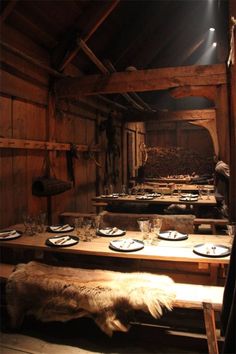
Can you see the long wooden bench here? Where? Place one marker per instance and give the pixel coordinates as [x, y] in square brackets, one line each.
[212, 222]
[188, 296]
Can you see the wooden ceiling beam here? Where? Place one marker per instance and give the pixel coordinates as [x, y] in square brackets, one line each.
[7, 10]
[105, 71]
[142, 80]
[170, 116]
[89, 31]
[208, 92]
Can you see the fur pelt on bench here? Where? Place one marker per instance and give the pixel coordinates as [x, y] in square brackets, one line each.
[59, 294]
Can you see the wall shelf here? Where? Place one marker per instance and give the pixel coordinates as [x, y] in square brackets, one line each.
[9, 143]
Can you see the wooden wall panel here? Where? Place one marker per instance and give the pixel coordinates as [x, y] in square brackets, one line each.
[29, 122]
[25, 68]
[64, 133]
[6, 164]
[198, 140]
[91, 166]
[23, 43]
[81, 167]
[222, 122]
[180, 135]
[15, 86]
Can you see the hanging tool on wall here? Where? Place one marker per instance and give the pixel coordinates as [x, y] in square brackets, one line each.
[112, 150]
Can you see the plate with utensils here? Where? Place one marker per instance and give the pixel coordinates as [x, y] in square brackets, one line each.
[9, 234]
[126, 245]
[212, 250]
[111, 231]
[62, 241]
[172, 235]
[188, 197]
[60, 228]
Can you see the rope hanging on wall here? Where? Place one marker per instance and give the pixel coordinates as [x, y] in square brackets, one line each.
[231, 58]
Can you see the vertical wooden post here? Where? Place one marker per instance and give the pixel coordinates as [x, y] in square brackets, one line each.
[222, 122]
[51, 136]
[232, 123]
[209, 317]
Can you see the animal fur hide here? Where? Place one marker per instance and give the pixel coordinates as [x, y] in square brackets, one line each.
[59, 294]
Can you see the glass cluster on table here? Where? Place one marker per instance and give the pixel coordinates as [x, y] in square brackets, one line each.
[150, 229]
[86, 228]
[34, 223]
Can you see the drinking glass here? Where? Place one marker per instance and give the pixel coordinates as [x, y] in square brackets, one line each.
[156, 228]
[106, 190]
[123, 189]
[30, 225]
[87, 227]
[231, 230]
[41, 219]
[130, 192]
[144, 226]
[97, 224]
[78, 223]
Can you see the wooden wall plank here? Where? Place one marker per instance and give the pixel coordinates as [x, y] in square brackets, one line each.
[19, 128]
[17, 87]
[81, 167]
[35, 116]
[6, 167]
[91, 166]
[24, 43]
[65, 132]
[222, 122]
[24, 66]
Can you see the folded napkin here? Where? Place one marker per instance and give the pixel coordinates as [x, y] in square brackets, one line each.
[8, 233]
[61, 228]
[113, 231]
[62, 241]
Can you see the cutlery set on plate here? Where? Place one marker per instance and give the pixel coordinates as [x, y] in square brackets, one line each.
[61, 240]
[8, 233]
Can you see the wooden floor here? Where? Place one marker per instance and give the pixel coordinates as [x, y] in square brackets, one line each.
[46, 340]
[83, 337]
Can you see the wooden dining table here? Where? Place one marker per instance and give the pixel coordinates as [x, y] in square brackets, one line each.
[204, 201]
[165, 199]
[174, 258]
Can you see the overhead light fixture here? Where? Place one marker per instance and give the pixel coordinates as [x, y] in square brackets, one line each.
[212, 29]
[214, 44]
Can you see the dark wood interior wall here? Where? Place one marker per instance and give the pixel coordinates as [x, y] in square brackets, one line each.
[137, 133]
[178, 134]
[25, 114]
[28, 112]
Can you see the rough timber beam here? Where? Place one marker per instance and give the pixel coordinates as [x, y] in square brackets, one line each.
[170, 116]
[208, 92]
[142, 80]
[90, 29]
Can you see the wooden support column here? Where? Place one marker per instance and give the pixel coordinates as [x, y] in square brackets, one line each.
[232, 123]
[222, 122]
[51, 135]
[209, 317]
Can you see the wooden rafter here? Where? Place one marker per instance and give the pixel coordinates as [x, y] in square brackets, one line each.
[142, 80]
[208, 92]
[103, 69]
[167, 116]
[89, 31]
[7, 10]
